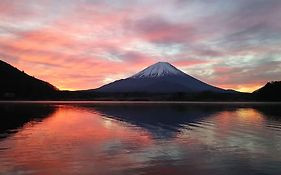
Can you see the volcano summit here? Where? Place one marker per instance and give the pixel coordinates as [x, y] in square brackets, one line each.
[161, 77]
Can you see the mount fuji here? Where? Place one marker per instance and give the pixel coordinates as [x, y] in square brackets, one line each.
[161, 77]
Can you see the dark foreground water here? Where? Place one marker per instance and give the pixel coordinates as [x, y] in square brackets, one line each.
[103, 138]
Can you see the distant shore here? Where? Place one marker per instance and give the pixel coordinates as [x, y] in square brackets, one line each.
[138, 102]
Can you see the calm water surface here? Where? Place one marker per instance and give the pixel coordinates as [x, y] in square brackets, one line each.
[93, 138]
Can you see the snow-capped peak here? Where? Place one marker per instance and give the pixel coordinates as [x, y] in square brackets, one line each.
[159, 69]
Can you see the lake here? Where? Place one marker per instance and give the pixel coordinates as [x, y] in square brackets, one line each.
[140, 138]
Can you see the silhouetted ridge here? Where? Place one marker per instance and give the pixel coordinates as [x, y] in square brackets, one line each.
[271, 91]
[16, 84]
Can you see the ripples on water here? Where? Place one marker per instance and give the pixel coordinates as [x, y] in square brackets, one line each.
[140, 139]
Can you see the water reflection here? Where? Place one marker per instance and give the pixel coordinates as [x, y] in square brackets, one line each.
[161, 120]
[273, 112]
[14, 116]
[141, 139]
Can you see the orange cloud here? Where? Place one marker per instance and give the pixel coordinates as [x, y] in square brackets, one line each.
[83, 44]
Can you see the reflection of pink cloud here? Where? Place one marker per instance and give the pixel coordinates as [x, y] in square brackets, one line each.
[69, 137]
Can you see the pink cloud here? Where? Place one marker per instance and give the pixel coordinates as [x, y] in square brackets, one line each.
[77, 45]
[189, 62]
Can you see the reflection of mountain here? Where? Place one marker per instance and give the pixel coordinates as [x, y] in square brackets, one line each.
[162, 120]
[270, 111]
[14, 116]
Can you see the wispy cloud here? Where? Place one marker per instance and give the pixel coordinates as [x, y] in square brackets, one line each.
[83, 44]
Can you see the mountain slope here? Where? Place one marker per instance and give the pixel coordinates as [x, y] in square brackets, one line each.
[159, 69]
[16, 84]
[271, 91]
[161, 77]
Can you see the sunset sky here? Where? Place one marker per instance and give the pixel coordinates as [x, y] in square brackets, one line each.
[83, 44]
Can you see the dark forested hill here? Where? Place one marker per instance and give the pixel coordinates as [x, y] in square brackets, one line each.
[15, 84]
[270, 92]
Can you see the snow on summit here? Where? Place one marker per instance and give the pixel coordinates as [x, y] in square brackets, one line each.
[161, 77]
[159, 69]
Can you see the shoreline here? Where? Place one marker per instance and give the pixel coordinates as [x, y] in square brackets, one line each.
[136, 102]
